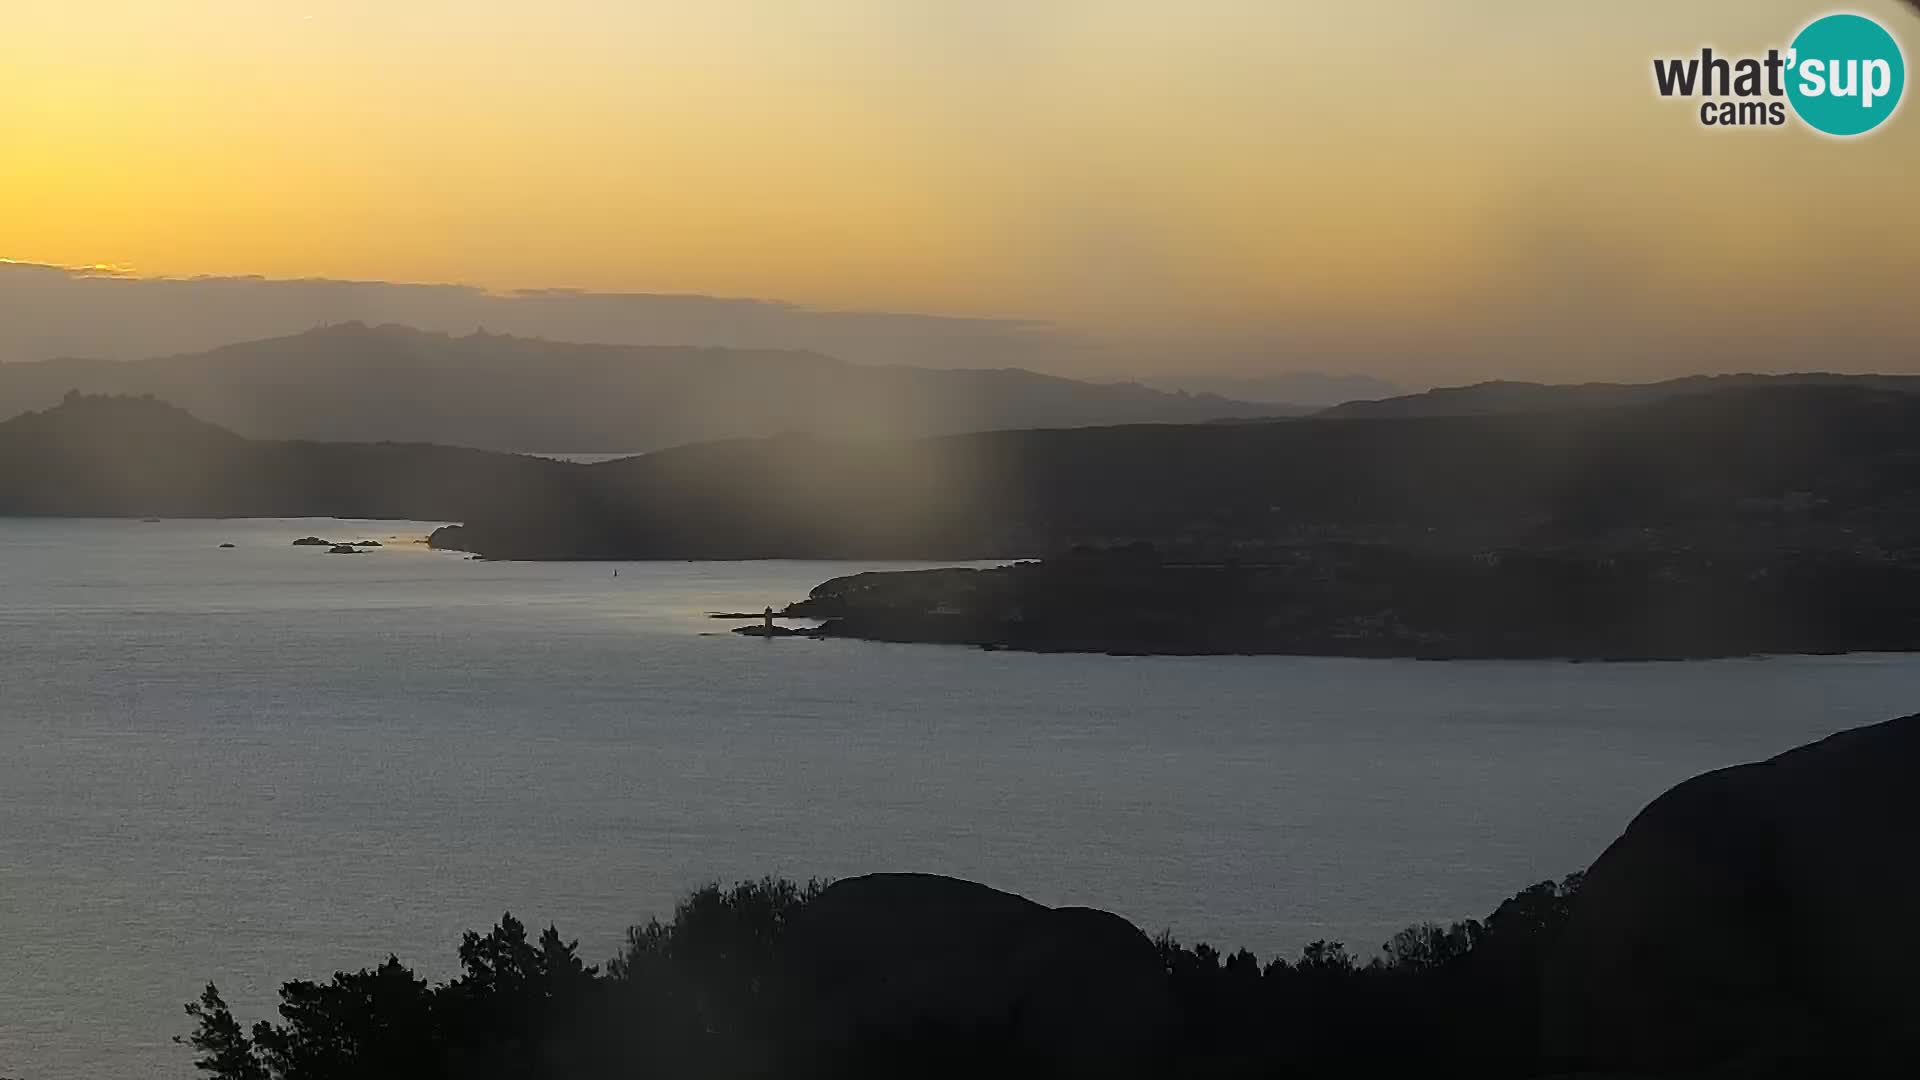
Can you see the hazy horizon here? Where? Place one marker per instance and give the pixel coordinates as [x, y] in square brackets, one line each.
[104, 313]
[1421, 194]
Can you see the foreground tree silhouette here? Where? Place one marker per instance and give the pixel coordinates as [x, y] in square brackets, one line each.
[709, 982]
[695, 996]
[705, 995]
[225, 1051]
[375, 1023]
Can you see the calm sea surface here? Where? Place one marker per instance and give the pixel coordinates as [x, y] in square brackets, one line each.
[268, 762]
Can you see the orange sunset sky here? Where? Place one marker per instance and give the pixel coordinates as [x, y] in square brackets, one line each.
[1408, 170]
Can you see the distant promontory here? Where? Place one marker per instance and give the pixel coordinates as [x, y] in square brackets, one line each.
[1775, 516]
[1383, 601]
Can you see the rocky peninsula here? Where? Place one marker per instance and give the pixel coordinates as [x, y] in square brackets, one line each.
[1383, 601]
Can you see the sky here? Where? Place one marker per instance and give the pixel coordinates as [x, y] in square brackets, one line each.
[1420, 190]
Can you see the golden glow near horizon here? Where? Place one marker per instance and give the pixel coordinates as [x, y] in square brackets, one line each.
[1497, 166]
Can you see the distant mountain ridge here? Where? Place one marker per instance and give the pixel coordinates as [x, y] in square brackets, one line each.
[1306, 391]
[1506, 396]
[352, 382]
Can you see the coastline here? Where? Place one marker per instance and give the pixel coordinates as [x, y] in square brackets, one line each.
[1390, 603]
[832, 629]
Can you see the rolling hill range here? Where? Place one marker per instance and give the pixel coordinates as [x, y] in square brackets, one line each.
[352, 382]
[1487, 398]
[1751, 466]
[1746, 467]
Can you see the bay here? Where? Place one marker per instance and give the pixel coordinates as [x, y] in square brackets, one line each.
[268, 762]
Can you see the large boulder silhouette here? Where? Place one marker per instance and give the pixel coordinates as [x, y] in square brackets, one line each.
[945, 975]
[1751, 918]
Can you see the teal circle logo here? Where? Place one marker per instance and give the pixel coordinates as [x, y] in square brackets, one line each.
[1845, 75]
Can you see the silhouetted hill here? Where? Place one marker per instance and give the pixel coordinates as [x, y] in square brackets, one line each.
[1516, 397]
[1820, 465]
[1740, 925]
[118, 456]
[103, 426]
[358, 383]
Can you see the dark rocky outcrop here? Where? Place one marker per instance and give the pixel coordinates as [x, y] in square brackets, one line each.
[898, 959]
[343, 549]
[312, 541]
[1754, 919]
